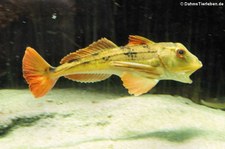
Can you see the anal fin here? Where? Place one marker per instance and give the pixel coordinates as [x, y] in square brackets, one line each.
[137, 85]
[88, 78]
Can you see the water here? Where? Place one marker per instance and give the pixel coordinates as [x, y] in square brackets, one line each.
[55, 28]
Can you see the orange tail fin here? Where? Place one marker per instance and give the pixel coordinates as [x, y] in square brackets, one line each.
[37, 73]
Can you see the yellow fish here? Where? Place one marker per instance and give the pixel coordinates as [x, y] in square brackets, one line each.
[140, 64]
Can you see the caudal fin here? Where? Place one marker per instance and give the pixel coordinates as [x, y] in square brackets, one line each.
[37, 73]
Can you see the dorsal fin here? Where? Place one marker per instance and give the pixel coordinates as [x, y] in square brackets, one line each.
[93, 48]
[137, 40]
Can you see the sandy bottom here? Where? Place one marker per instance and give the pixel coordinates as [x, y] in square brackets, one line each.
[76, 119]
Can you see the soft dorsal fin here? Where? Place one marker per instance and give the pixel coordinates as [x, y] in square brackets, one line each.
[93, 48]
[137, 40]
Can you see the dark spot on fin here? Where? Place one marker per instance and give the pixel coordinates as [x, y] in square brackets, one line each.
[51, 69]
[106, 58]
[145, 46]
[73, 60]
[95, 54]
[87, 62]
[131, 55]
[152, 51]
[122, 47]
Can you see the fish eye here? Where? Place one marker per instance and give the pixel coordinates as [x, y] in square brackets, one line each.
[180, 53]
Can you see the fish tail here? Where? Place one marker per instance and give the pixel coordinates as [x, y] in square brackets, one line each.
[38, 73]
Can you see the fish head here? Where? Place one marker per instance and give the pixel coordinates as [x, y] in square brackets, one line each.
[178, 61]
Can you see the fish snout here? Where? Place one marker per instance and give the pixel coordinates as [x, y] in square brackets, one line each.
[194, 66]
[197, 65]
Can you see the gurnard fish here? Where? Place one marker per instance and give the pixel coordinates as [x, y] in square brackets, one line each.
[140, 64]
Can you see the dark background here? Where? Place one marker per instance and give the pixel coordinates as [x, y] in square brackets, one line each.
[57, 27]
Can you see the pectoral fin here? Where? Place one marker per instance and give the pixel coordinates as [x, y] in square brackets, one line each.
[130, 65]
[147, 70]
[137, 85]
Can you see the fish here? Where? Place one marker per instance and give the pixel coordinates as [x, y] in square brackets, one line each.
[140, 64]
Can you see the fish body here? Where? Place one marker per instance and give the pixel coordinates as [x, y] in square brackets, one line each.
[140, 64]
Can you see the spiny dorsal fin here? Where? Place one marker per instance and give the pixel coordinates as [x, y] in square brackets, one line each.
[93, 48]
[137, 40]
[88, 78]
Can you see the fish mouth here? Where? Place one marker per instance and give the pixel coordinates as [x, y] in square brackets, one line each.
[185, 73]
[192, 68]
